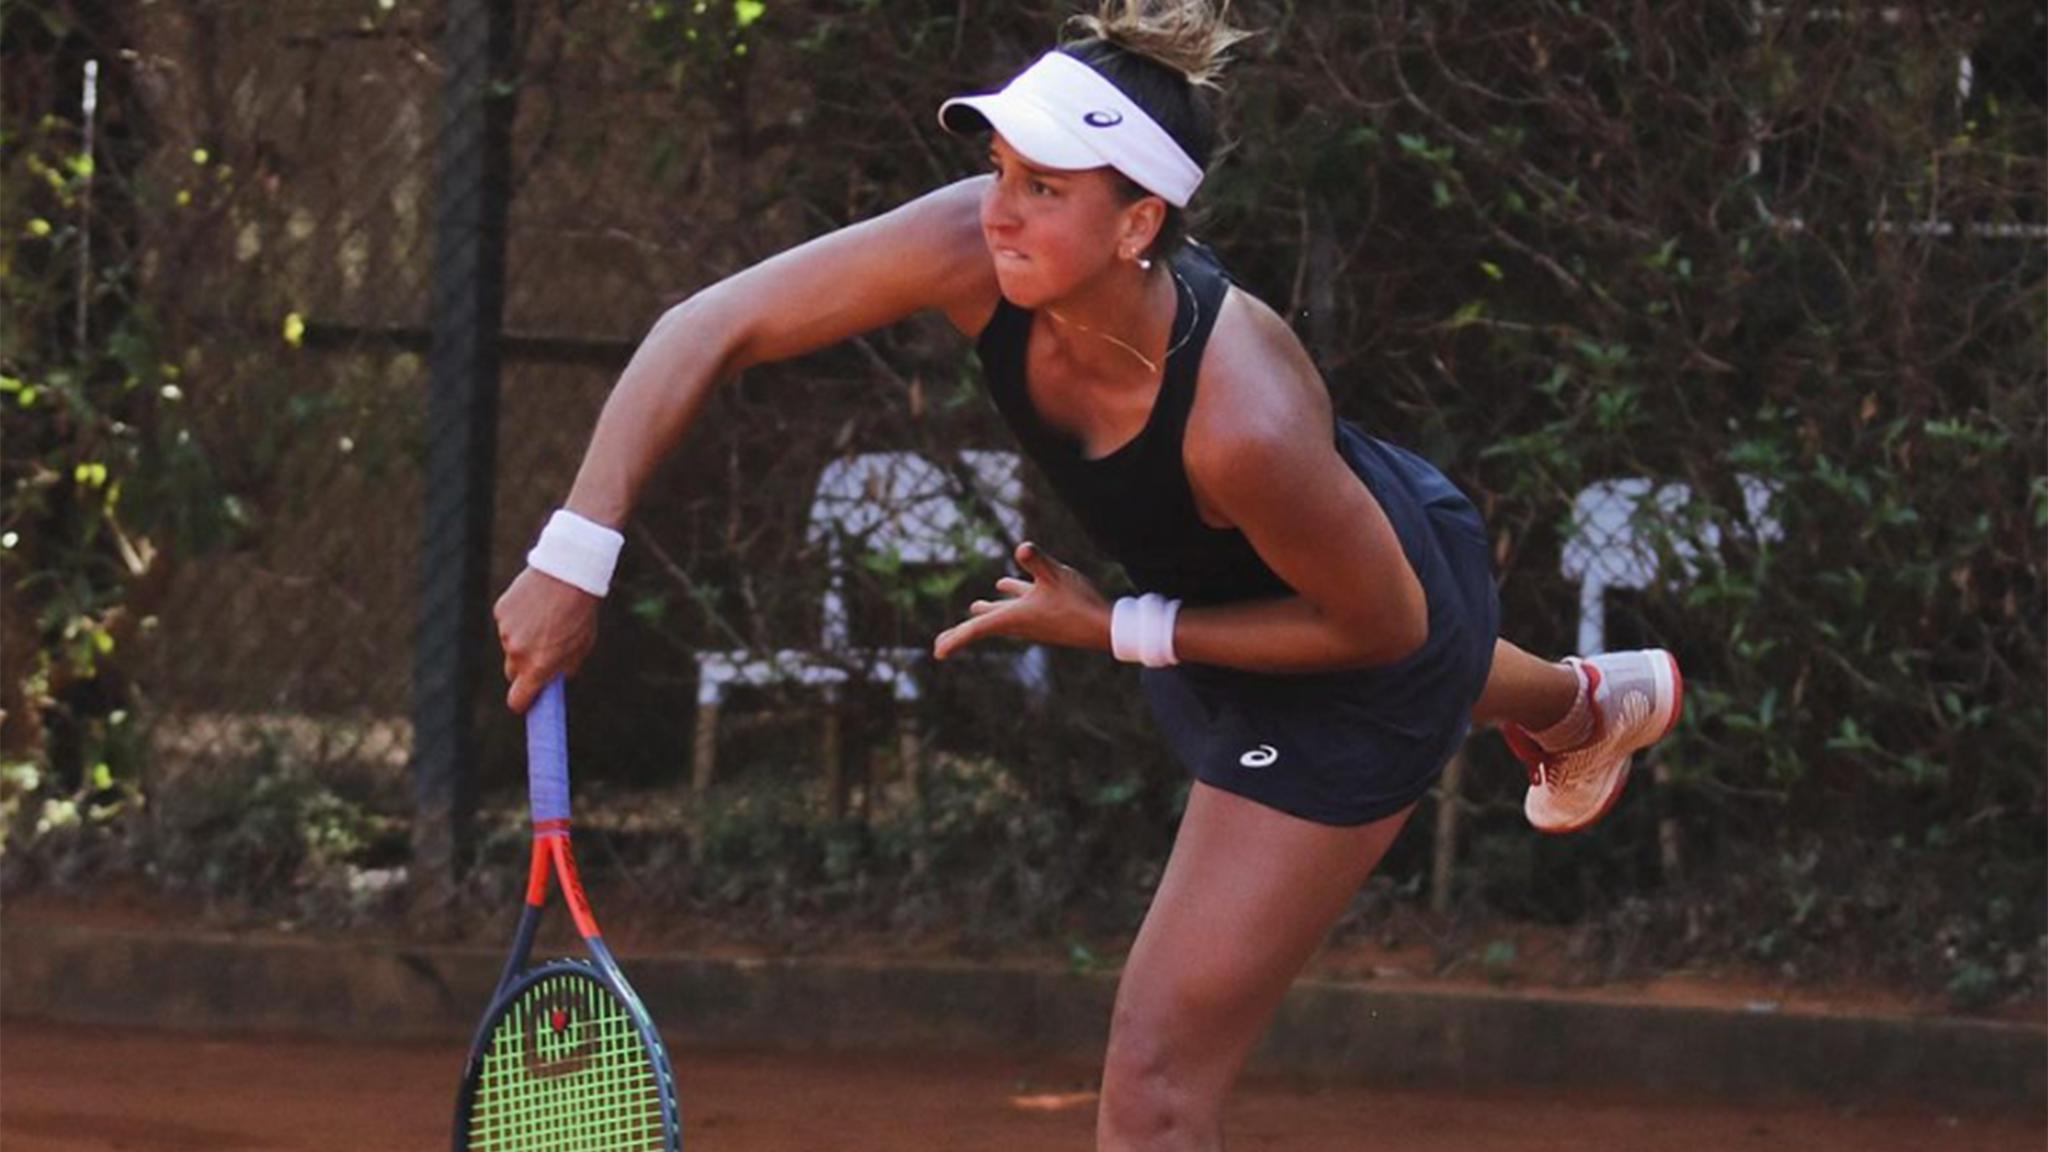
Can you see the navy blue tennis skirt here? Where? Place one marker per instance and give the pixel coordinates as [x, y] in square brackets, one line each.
[1352, 747]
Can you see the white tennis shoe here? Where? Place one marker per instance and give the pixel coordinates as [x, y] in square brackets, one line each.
[1636, 697]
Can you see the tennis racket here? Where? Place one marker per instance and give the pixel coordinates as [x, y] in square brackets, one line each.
[567, 1056]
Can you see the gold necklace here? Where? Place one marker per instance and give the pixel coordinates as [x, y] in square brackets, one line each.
[1151, 365]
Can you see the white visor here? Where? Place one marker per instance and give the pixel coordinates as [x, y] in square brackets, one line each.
[1060, 113]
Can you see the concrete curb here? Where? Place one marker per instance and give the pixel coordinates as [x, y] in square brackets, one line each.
[222, 983]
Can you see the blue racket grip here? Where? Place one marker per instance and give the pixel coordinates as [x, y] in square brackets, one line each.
[547, 754]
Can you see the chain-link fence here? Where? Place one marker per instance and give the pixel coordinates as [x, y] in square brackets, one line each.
[1729, 315]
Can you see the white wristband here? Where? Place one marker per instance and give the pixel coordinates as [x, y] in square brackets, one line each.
[1123, 630]
[1158, 635]
[577, 551]
[1141, 630]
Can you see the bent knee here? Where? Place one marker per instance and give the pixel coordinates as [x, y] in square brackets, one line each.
[1159, 1089]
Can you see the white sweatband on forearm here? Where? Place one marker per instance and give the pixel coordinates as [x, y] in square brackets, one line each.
[577, 551]
[1158, 637]
[1123, 630]
[1141, 630]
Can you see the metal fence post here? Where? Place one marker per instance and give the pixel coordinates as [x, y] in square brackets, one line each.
[472, 196]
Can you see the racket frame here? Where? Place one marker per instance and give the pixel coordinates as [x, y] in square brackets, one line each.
[551, 857]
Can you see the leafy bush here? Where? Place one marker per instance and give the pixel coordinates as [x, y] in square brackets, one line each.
[1729, 247]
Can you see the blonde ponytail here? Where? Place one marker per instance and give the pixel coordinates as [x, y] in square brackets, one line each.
[1191, 37]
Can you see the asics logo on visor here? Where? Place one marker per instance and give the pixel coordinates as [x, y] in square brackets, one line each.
[1103, 119]
[1261, 757]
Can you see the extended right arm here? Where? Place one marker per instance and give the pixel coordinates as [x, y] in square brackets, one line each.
[927, 254]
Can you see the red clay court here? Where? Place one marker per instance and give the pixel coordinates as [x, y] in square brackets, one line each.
[84, 1089]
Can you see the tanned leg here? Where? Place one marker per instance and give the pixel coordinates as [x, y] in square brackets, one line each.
[1248, 895]
[1525, 690]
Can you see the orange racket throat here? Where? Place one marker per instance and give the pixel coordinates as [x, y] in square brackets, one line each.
[551, 853]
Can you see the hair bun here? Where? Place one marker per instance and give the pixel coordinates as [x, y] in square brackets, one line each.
[1192, 37]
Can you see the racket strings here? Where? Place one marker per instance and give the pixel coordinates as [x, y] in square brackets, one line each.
[565, 1069]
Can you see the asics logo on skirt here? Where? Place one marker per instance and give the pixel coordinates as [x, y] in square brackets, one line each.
[1259, 757]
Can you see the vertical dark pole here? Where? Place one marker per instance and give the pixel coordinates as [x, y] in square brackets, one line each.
[469, 290]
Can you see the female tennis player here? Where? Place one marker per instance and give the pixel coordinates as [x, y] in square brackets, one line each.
[1317, 615]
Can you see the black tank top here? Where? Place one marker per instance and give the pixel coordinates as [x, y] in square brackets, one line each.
[1135, 502]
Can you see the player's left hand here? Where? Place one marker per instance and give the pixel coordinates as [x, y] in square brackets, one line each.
[1057, 605]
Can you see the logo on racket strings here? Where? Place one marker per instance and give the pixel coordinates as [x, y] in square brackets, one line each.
[558, 1038]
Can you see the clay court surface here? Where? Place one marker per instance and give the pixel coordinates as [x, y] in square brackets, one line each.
[80, 1089]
